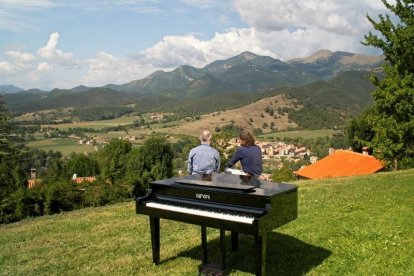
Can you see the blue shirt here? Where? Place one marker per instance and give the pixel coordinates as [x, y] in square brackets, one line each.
[203, 159]
[250, 158]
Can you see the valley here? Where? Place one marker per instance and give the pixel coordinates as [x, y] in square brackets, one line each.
[252, 116]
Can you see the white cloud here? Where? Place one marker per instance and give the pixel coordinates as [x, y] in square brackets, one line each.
[21, 59]
[49, 67]
[7, 67]
[341, 17]
[105, 69]
[173, 51]
[20, 56]
[26, 4]
[55, 55]
[41, 71]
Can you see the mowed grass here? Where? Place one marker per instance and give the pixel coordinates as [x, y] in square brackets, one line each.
[348, 226]
[65, 145]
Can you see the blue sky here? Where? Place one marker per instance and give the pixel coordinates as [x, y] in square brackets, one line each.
[53, 43]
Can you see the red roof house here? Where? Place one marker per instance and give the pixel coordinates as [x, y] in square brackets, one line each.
[79, 180]
[341, 163]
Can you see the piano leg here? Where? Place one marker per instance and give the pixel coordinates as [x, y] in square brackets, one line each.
[155, 239]
[223, 249]
[204, 243]
[260, 244]
[234, 241]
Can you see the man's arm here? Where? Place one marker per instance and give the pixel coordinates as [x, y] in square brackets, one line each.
[217, 165]
[190, 162]
[234, 159]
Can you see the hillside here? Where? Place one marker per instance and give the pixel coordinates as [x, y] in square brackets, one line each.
[348, 226]
[244, 73]
[250, 116]
[9, 89]
[61, 98]
[319, 105]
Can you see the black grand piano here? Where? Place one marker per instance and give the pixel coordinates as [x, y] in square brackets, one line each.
[235, 203]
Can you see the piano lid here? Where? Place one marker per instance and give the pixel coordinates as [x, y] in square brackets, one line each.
[261, 187]
[223, 181]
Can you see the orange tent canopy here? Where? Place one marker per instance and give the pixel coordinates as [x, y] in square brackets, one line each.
[341, 163]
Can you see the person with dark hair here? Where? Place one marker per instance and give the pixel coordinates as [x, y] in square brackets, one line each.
[249, 155]
[204, 159]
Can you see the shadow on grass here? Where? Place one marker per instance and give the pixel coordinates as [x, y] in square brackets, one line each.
[286, 255]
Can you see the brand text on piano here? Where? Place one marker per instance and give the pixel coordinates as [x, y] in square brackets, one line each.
[203, 196]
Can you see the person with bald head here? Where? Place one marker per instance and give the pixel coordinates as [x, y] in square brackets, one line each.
[204, 159]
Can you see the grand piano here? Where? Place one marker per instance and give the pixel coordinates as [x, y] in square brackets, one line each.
[235, 203]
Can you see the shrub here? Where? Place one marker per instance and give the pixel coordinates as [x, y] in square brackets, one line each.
[62, 196]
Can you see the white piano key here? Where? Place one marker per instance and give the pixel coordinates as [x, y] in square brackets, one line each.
[203, 213]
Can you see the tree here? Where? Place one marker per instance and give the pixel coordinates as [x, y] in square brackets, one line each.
[82, 165]
[392, 118]
[221, 142]
[359, 131]
[6, 148]
[113, 159]
[283, 174]
[396, 41]
[151, 161]
[11, 176]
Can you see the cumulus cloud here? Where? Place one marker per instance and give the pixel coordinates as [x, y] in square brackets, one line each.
[21, 59]
[173, 51]
[106, 68]
[40, 71]
[7, 67]
[341, 17]
[282, 29]
[51, 53]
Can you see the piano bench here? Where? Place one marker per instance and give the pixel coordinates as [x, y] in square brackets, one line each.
[211, 270]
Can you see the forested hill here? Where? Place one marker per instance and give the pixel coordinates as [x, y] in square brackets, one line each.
[348, 91]
[331, 103]
[337, 80]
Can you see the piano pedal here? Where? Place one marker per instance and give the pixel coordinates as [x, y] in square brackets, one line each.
[211, 270]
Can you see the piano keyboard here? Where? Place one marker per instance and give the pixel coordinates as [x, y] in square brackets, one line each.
[203, 213]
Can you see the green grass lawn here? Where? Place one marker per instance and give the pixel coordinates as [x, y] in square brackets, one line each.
[348, 226]
[65, 145]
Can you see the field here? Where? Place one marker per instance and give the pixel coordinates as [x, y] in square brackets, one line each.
[65, 145]
[305, 134]
[249, 116]
[98, 125]
[347, 226]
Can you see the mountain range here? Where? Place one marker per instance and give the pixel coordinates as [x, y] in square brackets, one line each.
[243, 78]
